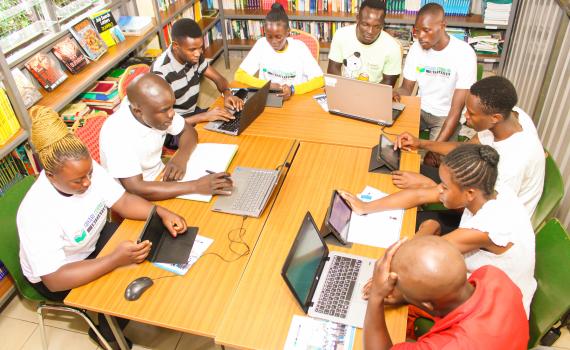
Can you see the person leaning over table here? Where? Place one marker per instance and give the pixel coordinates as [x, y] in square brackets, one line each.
[285, 61]
[444, 68]
[183, 65]
[62, 219]
[131, 144]
[482, 312]
[363, 50]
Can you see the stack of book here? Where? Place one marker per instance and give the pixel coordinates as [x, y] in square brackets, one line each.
[9, 124]
[459, 33]
[104, 96]
[73, 112]
[135, 25]
[402, 33]
[486, 42]
[19, 163]
[497, 11]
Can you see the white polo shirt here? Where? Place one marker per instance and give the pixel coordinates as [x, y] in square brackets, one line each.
[56, 230]
[129, 148]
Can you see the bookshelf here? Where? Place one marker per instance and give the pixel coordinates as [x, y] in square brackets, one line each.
[13, 142]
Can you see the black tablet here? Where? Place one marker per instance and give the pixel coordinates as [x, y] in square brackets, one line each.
[337, 220]
[387, 154]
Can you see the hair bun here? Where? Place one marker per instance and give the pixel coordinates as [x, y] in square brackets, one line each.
[277, 7]
[47, 127]
[489, 154]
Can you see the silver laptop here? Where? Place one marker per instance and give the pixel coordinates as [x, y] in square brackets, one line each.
[252, 108]
[362, 100]
[326, 285]
[252, 189]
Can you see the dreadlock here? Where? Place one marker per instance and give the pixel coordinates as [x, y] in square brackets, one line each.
[53, 142]
[474, 166]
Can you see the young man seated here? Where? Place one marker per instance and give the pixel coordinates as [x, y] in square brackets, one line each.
[182, 65]
[482, 312]
[444, 68]
[492, 113]
[363, 50]
[131, 144]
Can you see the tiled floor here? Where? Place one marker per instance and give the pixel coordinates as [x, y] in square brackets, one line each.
[19, 321]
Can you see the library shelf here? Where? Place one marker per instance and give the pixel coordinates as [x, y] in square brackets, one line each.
[77, 83]
[214, 50]
[206, 23]
[13, 142]
[177, 8]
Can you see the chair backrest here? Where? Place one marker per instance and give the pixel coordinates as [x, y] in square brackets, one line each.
[309, 40]
[131, 73]
[89, 134]
[552, 297]
[552, 193]
[10, 242]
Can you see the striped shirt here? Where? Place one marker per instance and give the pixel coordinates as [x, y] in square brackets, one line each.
[183, 78]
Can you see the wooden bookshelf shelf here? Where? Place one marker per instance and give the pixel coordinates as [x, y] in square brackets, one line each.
[214, 50]
[77, 83]
[6, 289]
[206, 23]
[174, 10]
[13, 142]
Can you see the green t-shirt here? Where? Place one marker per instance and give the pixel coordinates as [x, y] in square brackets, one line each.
[366, 62]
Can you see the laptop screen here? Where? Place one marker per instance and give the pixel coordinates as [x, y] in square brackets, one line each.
[304, 261]
[340, 214]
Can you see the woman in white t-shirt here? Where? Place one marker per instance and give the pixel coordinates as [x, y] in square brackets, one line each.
[495, 228]
[62, 219]
[285, 61]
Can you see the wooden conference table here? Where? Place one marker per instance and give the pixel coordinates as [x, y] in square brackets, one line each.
[245, 304]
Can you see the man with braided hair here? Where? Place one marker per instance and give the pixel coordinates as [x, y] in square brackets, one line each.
[495, 228]
[62, 219]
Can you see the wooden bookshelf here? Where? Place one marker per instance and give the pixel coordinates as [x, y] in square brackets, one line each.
[13, 142]
[6, 289]
[173, 10]
[77, 83]
[206, 23]
[214, 50]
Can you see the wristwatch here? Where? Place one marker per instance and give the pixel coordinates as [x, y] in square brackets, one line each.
[292, 90]
[226, 89]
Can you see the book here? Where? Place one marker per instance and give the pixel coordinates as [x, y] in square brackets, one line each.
[74, 111]
[69, 53]
[47, 70]
[115, 74]
[107, 27]
[201, 244]
[103, 90]
[307, 333]
[20, 154]
[87, 36]
[135, 25]
[9, 124]
[27, 90]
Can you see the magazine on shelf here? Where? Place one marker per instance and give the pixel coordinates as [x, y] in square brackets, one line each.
[47, 70]
[107, 27]
[87, 36]
[27, 90]
[69, 53]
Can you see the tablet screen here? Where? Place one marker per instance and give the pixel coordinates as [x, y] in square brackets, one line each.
[387, 153]
[340, 216]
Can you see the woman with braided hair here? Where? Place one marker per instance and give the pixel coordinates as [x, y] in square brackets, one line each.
[495, 228]
[62, 219]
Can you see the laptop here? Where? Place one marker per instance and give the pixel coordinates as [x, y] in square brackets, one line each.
[362, 100]
[165, 248]
[252, 189]
[253, 107]
[337, 220]
[273, 98]
[326, 285]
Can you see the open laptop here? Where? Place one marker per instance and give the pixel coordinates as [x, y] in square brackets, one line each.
[362, 100]
[273, 98]
[253, 107]
[252, 189]
[326, 285]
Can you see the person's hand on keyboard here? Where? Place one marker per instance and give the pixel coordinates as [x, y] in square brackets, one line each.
[233, 102]
[218, 113]
[218, 183]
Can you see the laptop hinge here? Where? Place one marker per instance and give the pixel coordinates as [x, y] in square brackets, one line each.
[327, 258]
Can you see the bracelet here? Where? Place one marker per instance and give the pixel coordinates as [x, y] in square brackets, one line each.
[292, 90]
[226, 89]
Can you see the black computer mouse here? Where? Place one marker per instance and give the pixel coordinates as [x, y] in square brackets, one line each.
[137, 287]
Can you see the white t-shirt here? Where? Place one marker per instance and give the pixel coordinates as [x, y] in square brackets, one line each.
[366, 62]
[439, 73]
[129, 148]
[56, 230]
[521, 162]
[506, 221]
[293, 66]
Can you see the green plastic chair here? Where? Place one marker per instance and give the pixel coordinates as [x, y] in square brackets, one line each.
[9, 255]
[552, 297]
[552, 194]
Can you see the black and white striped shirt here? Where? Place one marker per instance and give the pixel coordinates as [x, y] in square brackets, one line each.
[183, 78]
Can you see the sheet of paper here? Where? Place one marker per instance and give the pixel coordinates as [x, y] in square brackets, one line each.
[376, 229]
[201, 244]
[215, 157]
[307, 333]
[322, 101]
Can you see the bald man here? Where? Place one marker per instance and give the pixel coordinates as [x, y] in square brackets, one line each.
[482, 312]
[444, 68]
[131, 143]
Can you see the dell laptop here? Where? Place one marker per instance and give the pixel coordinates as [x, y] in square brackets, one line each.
[253, 107]
[326, 284]
[362, 100]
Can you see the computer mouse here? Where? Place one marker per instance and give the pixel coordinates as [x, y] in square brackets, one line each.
[137, 287]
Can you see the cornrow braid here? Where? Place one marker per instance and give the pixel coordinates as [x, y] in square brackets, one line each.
[53, 141]
[474, 166]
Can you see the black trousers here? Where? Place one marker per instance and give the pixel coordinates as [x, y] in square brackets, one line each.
[171, 141]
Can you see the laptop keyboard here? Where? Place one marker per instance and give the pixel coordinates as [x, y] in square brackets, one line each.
[231, 125]
[256, 187]
[338, 287]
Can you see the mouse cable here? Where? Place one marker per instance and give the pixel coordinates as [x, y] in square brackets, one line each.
[387, 133]
[239, 241]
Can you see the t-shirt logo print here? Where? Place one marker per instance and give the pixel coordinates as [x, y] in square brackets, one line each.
[80, 237]
[434, 71]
